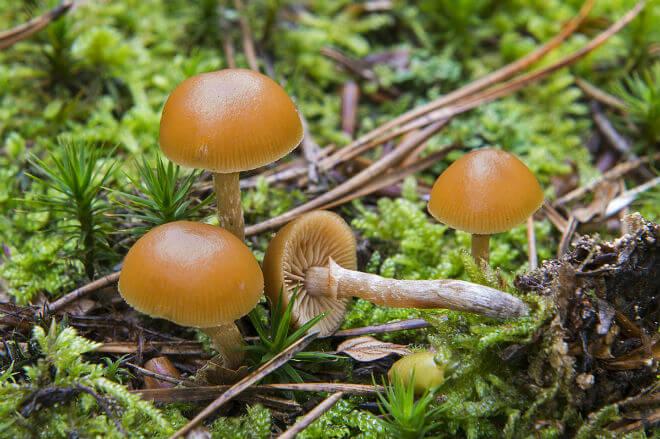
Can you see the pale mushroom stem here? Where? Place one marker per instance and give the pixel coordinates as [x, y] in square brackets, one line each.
[228, 197]
[228, 341]
[337, 282]
[481, 248]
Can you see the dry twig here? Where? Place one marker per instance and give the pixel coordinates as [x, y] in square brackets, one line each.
[312, 416]
[12, 36]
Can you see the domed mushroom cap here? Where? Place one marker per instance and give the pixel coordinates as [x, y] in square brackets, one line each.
[484, 192]
[191, 274]
[309, 241]
[229, 121]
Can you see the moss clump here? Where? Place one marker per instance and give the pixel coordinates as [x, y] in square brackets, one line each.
[59, 394]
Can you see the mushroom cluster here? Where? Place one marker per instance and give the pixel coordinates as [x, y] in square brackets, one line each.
[198, 275]
[205, 277]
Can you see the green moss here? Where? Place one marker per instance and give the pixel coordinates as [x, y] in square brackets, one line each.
[54, 382]
[345, 421]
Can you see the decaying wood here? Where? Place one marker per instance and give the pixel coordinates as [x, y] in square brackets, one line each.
[256, 376]
[12, 36]
[338, 282]
[205, 393]
[311, 416]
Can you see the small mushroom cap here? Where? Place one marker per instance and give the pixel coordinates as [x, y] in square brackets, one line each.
[484, 192]
[427, 373]
[309, 241]
[229, 121]
[191, 274]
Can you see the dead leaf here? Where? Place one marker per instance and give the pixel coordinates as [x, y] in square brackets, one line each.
[603, 194]
[214, 372]
[370, 349]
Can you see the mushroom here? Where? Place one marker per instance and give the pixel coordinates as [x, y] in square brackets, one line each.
[316, 255]
[420, 370]
[229, 121]
[485, 192]
[194, 275]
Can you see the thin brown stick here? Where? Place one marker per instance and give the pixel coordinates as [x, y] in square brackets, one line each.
[532, 255]
[19, 33]
[227, 43]
[350, 97]
[160, 376]
[82, 291]
[402, 325]
[613, 174]
[312, 416]
[567, 236]
[363, 177]
[392, 177]
[649, 421]
[256, 376]
[616, 140]
[555, 217]
[604, 98]
[246, 32]
[311, 152]
[205, 393]
[163, 348]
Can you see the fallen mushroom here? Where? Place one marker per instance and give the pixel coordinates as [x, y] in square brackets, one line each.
[229, 121]
[194, 275]
[316, 254]
[421, 370]
[485, 192]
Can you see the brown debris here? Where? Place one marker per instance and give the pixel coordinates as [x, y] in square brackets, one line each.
[606, 298]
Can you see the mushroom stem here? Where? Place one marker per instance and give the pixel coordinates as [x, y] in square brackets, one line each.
[480, 248]
[337, 282]
[228, 196]
[228, 341]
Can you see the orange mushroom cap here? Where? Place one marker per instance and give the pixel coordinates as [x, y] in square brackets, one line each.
[229, 121]
[191, 274]
[309, 241]
[484, 192]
